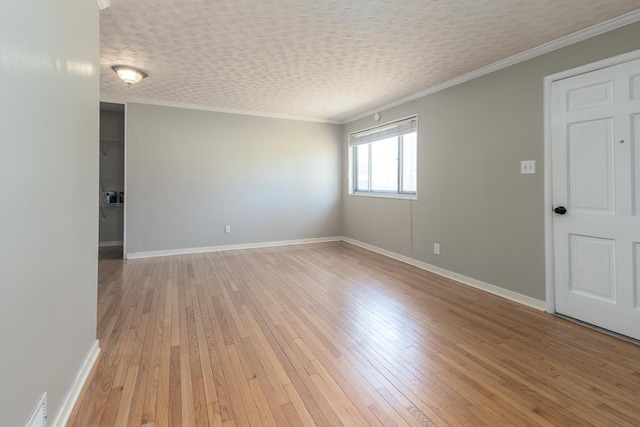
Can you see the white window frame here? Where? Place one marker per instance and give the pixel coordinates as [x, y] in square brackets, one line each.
[380, 193]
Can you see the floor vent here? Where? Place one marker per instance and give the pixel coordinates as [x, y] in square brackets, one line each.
[39, 416]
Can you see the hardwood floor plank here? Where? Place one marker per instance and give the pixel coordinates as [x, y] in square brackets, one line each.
[209, 323]
[108, 417]
[331, 334]
[151, 362]
[175, 389]
[161, 417]
[262, 404]
[126, 398]
[299, 406]
[246, 395]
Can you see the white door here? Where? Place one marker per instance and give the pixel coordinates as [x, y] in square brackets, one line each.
[596, 178]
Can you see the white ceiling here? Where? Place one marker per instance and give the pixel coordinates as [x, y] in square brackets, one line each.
[321, 59]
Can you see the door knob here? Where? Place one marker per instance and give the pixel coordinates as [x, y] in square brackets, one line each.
[560, 210]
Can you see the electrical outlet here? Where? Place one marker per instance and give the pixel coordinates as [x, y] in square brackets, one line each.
[528, 167]
[227, 229]
[436, 248]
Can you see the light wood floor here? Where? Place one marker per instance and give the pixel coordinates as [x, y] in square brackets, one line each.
[331, 334]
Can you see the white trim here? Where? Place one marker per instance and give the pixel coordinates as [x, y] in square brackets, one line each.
[603, 27]
[170, 252]
[548, 184]
[103, 4]
[487, 287]
[397, 196]
[549, 268]
[111, 98]
[110, 243]
[71, 398]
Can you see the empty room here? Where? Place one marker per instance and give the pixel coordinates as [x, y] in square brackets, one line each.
[320, 213]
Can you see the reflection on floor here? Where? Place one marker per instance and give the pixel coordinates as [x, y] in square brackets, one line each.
[330, 334]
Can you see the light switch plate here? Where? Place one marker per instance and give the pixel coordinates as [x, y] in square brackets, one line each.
[528, 167]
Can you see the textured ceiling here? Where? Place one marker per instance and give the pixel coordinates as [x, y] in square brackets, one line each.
[322, 59]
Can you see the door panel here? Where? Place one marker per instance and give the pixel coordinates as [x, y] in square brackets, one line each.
[591, 165]
[590, 96]
[635, 87]
[596, 175]
[592, 271]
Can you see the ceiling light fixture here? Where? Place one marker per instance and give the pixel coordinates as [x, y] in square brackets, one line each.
[128, 74]
[103, 4]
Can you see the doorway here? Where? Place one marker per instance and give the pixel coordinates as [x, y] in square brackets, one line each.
[112, 196]
[594, 129]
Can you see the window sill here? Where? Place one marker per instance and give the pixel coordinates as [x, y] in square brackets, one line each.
[387, 196]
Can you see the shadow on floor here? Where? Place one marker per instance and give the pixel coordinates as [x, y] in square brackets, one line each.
[112, 252]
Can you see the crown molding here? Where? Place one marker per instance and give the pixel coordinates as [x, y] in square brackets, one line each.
[561, 42]
[103, 4]
[106, 97]
[603, 27]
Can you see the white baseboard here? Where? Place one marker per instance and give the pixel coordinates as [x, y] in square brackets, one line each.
[70, 401]
[170, 252]
[111, 243]
[469, 281]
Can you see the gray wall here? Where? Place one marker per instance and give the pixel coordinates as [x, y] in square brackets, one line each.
[190, 173]
[111, 173]
[49, 208]
[487, 217]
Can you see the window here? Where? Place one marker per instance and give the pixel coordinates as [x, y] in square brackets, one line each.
[385, 159]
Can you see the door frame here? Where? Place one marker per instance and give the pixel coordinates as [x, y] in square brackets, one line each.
[550, 288]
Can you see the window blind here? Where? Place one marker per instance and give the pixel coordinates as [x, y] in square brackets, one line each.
[389, 130]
